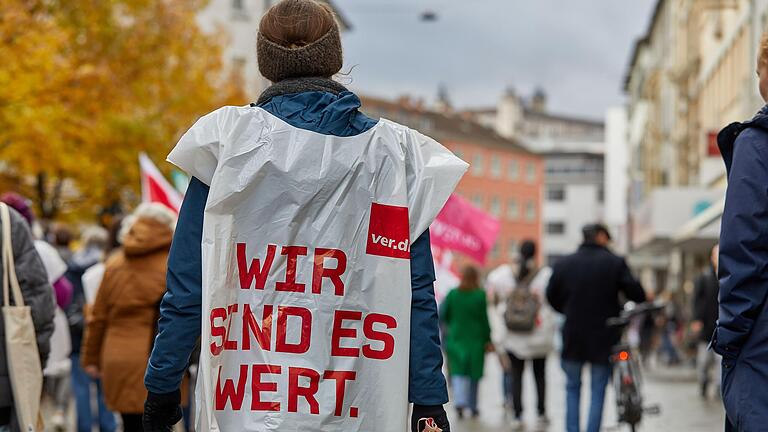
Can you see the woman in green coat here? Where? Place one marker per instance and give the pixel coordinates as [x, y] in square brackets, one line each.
[468, 337]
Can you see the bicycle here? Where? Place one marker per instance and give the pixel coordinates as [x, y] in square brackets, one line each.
[627, 379]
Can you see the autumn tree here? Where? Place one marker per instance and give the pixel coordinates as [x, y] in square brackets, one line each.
[85, 85]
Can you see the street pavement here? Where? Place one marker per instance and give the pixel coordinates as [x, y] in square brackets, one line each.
[674, 389]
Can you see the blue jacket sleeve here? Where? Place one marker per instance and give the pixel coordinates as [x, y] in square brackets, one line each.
[743, 244]
[180, 310]
[426, 381]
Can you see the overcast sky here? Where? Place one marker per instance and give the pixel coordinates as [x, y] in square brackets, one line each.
[577, 50]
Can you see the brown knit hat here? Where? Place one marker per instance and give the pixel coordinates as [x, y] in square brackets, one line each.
[321, 58]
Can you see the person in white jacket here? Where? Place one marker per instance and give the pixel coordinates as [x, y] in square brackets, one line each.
[519, 347]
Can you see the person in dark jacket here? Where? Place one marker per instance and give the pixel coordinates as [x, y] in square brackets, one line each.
[704, 319]
[308, 99]
[741, 334]
[38, 295]
[588, 288]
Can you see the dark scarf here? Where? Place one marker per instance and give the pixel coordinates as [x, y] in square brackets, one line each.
[300, 85]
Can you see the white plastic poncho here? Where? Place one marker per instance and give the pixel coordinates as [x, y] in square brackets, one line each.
[306, 270]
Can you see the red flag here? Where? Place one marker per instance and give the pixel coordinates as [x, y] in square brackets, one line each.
[155, 188]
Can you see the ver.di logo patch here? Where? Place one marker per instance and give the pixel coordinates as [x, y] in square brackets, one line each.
[388, 232]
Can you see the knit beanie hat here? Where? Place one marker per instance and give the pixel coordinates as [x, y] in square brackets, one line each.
[321, 58]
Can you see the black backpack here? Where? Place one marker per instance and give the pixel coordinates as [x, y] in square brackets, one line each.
[522, 306]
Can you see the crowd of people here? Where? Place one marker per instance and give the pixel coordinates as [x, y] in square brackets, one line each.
[118, 311]
[97, 330]
[519, 311]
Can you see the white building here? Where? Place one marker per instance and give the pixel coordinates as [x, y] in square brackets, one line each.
[616, 183]
[692, 73]
[237, 21]
[573, 151]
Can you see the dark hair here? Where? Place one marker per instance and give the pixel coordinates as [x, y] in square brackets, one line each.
[296, 23]
[591, 232]
[62, 236]
[470, 278]
[527, 258]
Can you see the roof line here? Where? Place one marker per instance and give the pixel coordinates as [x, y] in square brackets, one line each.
[640, 42]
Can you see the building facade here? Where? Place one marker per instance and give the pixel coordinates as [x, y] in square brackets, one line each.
[572, 149]
[692, 73]
[504, 179]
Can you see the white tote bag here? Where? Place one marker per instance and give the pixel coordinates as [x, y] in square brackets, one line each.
[24, 367]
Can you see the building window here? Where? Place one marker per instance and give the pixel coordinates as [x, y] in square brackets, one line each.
[530, 211]
[477, 165]
[513, 171]
[495, 168]
[513, 210]
[556, 228]
[495, 251]
[530, 172]
[495, 207]
[601, 194]
[556, 193]
[238, 5]
[512, 248]
[477, 200]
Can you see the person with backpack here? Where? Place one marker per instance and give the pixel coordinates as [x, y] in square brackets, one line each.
[464, 312]
[589, 287]
[528, 332]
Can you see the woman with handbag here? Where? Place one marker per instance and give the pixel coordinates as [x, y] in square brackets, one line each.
[27, 299]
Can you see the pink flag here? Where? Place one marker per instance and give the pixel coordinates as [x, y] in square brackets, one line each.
[155, 188]
[464, 228]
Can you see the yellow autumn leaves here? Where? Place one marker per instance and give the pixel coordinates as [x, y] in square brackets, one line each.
[85, 85]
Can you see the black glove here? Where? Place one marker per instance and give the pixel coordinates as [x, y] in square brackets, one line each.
[435, 412]
[162, 411]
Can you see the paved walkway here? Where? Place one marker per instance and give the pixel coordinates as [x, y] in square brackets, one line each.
[674, 390]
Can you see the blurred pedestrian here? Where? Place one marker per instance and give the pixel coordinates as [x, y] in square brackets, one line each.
[670, 326]
[120, 330]
[85, 271]
[741, 334]
[38, 295]
[299, 51]
[523, 344]
[467, 338]
[498, 285]
[62, 241]
[705, 292]
[588, 287]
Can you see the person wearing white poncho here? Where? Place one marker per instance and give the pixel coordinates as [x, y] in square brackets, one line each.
[313, 225]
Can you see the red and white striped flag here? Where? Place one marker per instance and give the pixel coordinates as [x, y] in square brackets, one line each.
[155, 188]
